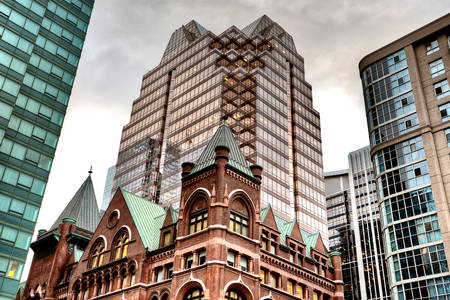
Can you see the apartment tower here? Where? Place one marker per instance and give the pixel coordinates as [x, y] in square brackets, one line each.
[40, 46]
[407, 96]
[255, 78]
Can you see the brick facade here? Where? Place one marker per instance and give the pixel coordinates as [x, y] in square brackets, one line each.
[148, 252]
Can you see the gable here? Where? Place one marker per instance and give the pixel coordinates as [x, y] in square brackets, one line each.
[269, 220]
[295, 233]
[108, 227]
[320, 246]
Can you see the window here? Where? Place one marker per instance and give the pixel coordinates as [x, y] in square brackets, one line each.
[194, 294]
[447, 136]
[315, 296]
[273, 245]
[432, 47]
[291, 257]
[238, 223]
[234, 295]
[316, 269]
[231, 258]
[166, 238]
[441, 89]
[198, 221]
[290, 287]
[97, 253]
[121, 246]
[299, 291]
[262, 275]
[159, 274]
[437, 67]
[273, 280]
[264, 244]
[244, 263]
[445, 111]
[189, 261]
[169, 271]
[202, 257]
[132, 276]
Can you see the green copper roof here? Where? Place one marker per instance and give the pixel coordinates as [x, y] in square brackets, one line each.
[286, 230]
[82, 208]
[263, 213]
[174, 214]
[310, 241]
[147, 218]
[223, 137]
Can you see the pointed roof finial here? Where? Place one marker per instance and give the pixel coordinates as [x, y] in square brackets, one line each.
[224, 119]
[90, 170]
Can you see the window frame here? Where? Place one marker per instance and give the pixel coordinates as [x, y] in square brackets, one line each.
[193, 221]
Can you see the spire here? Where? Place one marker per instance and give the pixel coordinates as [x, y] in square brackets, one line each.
[83, 207]
[223, 137]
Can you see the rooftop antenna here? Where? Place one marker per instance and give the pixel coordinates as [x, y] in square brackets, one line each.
[90, 170]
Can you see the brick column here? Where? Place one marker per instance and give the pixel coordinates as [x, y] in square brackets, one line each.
[195, 258]
[238, 261]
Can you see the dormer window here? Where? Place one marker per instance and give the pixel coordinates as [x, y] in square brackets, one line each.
[198, 221]
[166, 238]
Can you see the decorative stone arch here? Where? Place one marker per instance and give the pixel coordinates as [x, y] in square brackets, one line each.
[165, 294]
[198, 200]
[132, 264]
[240, 286]
[188, 285]
[241, 202]
[153, 296]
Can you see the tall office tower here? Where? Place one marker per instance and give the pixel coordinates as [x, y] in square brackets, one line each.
[407, 96]
[256, 78]
[108, 191]
[355, 228]
[342, 238]
[40, 45]
[372, 272]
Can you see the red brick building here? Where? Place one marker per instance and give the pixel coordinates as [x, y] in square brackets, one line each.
[220, 245]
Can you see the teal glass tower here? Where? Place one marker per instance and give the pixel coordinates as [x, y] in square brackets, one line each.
[40, 46]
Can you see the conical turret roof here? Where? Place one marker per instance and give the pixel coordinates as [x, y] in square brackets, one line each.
[83, 208]
[223, 137]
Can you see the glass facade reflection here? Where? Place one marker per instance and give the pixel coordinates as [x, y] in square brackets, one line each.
[405, 96]
[253, 76]
[40, 46]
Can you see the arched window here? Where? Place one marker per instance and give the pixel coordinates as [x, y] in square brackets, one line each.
[234, 295]
[99, 286]
[97, 253]
[239, 219]
[194, 294]
[198, 215]
[121, 245]
[123, 283]
[76, 291]
[165, 297]
[84, 291]
[132, 271]
[107, 283]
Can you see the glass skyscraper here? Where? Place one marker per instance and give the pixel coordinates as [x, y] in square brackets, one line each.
[373, 281]
[256, 78]
[40, 46]
[108, 192]
[355, 228]
[406, 95]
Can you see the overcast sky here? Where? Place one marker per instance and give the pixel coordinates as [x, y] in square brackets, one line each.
[125, 39]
